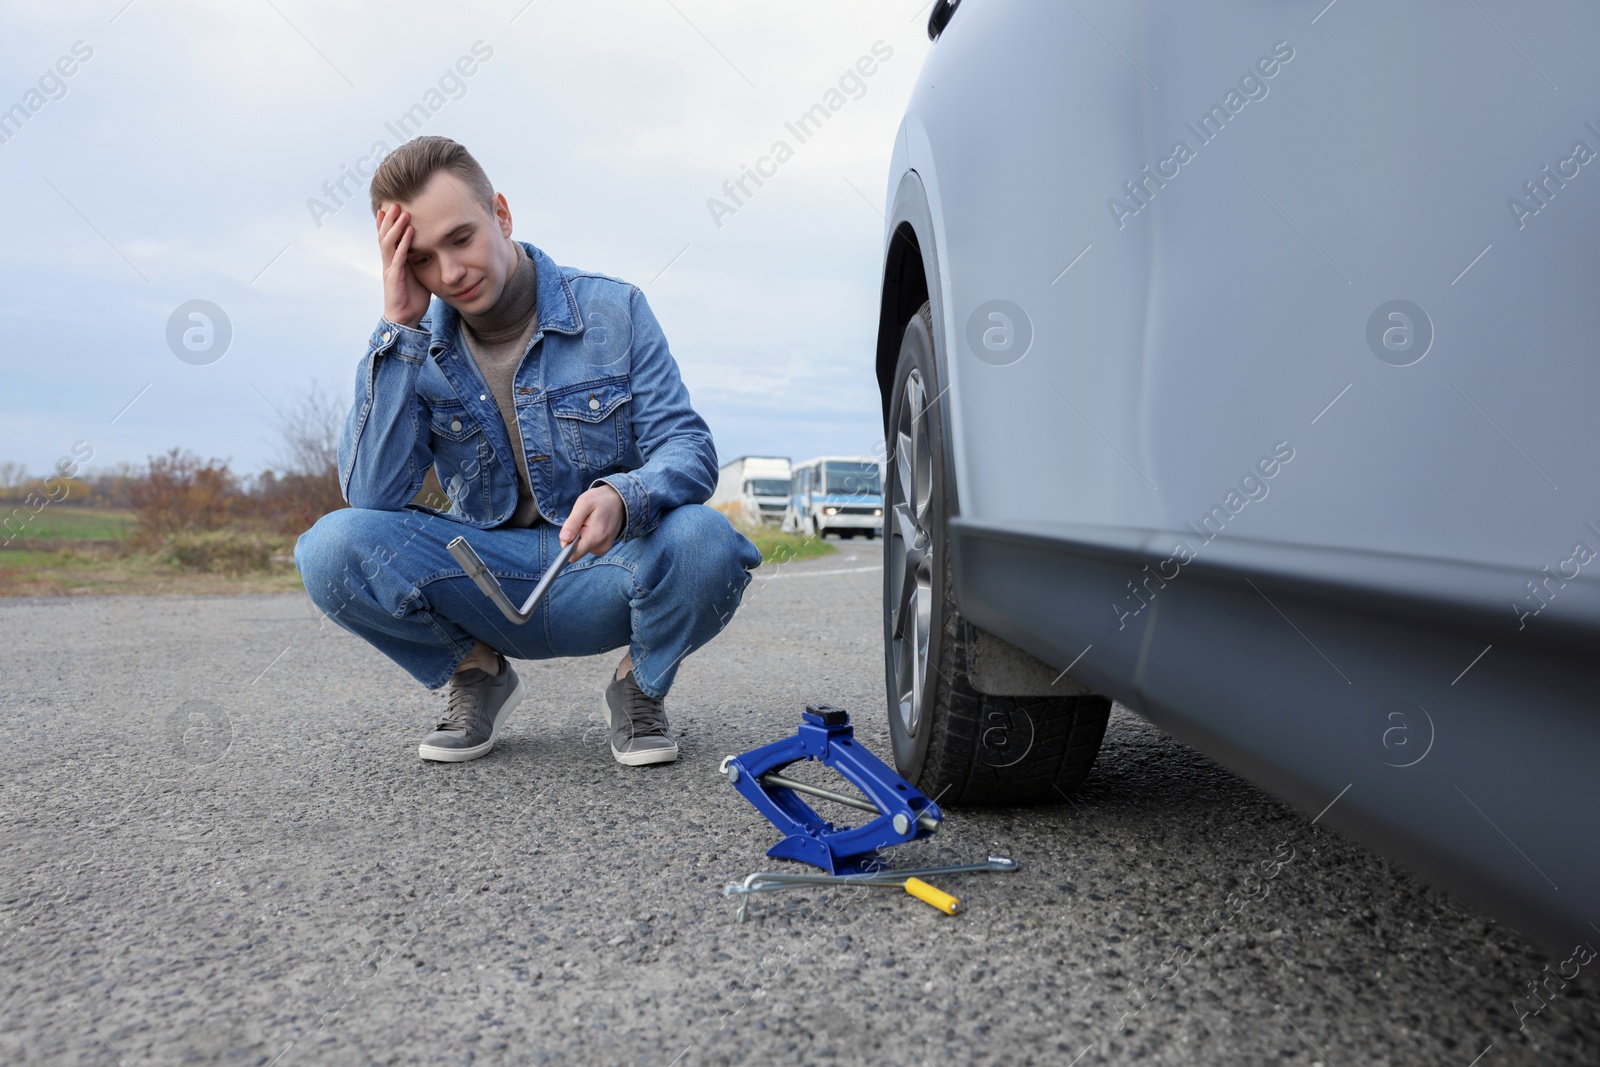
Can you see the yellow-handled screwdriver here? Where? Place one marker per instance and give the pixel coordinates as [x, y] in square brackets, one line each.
[931, 895]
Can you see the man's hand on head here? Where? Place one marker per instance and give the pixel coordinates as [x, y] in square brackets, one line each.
[405, 299]
[596, 520]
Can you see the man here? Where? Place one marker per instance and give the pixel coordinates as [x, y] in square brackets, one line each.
[549, 405]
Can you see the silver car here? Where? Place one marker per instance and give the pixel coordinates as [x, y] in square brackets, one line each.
[1239, 364]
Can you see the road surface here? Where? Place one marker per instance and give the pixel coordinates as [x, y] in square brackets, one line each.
[219, 846]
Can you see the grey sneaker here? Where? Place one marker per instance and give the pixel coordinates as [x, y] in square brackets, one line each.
[477, 705]
[639, 733]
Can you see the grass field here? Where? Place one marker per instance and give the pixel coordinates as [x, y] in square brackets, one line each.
[779, 547]
[84, 550]
[100, 571]
[65, 549]
[59, 521]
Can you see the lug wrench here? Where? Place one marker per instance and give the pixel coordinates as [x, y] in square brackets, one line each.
[478, 571]
[769, 881]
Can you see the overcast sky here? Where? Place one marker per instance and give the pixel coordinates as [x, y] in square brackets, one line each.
[179, 158]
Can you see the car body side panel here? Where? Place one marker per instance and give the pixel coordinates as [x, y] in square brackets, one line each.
[1020, 242]
[1192, 333]
[1227, 312]
[1353, 710]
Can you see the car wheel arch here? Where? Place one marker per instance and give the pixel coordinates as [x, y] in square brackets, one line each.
[910, 259]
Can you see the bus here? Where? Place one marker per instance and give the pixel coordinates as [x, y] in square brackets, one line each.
[835, 494]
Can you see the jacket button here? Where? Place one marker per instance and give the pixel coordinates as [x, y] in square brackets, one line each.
[482, 397]
[455, 425]
[594, 405]
[385, 335]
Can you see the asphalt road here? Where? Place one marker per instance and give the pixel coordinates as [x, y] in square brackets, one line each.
[219, 846]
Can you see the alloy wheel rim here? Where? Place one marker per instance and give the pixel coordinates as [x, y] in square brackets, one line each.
[910, 553]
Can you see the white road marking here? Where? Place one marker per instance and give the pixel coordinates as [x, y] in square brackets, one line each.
[819, 574]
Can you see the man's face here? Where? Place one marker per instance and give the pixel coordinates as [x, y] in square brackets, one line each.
[460, 252]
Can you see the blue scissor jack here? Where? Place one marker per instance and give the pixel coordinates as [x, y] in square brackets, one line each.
[825, 734]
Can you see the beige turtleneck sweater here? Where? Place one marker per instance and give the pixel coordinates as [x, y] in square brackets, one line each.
[497, 339]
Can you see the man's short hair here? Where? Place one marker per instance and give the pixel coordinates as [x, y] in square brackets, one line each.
[405, 172]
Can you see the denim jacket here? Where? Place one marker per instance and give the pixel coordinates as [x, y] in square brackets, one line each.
[598, 399]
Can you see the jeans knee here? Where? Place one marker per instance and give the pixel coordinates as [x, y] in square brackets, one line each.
[327, 555]
[706, 533]
[315, 551]
[708, 554]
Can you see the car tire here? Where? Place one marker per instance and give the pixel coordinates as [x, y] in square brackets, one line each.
[956, 744]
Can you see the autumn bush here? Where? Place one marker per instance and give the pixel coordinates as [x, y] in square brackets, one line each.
[183, 494]
[197, 513]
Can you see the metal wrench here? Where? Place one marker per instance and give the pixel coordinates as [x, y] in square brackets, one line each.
[764, 881]
[770, 881]
[478, 571]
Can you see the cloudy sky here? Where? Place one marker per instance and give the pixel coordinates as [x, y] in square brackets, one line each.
[180, 158]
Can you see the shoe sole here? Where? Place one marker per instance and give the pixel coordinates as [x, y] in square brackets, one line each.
[462, 755]
[635, 759]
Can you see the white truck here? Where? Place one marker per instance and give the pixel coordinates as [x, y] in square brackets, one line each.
[759, 485]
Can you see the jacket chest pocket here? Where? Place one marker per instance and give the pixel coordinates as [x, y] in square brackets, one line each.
[593, 420]
[457, 438]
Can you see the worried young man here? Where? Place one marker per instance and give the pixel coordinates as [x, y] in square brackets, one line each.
[547, 401]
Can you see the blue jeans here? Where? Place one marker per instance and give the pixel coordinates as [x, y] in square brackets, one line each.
[386, 577]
